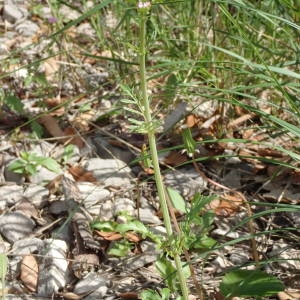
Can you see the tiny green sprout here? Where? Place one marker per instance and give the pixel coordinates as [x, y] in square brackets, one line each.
[28, 164]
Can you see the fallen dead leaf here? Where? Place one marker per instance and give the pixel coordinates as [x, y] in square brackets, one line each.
[269, 153]
[29, 272]
[175, 158]
[129, 295]
[109, 236]
[54, 185]
[240, 120]
[75, 139]
[114, 236]
[132, 237]
[82, 121]
[192, 120]
[240, 110]
[52, 126]
[80, 174]
[50, 68]
[247, 134]
[227, 205]
[56, 102]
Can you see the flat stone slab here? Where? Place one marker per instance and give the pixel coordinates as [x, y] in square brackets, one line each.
[53, 272]
[10, 194]
[110, 172]
[15, 226]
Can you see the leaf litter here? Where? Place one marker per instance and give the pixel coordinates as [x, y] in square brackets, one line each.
[67, 238]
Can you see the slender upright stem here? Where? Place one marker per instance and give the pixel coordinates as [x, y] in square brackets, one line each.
[153, 151]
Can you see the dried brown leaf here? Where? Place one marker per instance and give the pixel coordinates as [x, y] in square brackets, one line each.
[129, 295]
[54, 184]
[269, 152]
[75, 139]
[114, 236]
[51, 125]
[240, 120]
[109, 236]
[192, 120]
[80, 174]
[55, 102]
[29, 272]
[50, 66]
[226, 206]
[175, 158]
[132, 237]
[82, 121]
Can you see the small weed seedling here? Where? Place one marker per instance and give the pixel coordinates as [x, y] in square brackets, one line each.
[28, 164]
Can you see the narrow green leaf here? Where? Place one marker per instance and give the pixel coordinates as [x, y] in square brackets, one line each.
[134, 225]
[177, 200]
[104, 225]
[37, 129]
[133, 111]
[250, 283]
[51, 164]
[17, 166]
[128, 101]
[30, 169]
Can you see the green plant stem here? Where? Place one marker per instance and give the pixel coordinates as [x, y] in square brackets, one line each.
[153, 152]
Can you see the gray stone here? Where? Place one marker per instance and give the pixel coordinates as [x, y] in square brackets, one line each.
[92, 194]
[124, 205]
[186, 181]
[10, 194]
[175, 116]
[58, 207]
[149, 247]
[104, 210]
[158, 230]
[98, 294]
[68, 13]
[27, 28]
[239, 257]
[136, 262]
[37, 195]
[107, 151]
[147, 216]
[93, 80]
[11, 176]
[295, 216]
[43, 176]
[110, 172]
[15, 226]
[92, 282]
[13, 13]
[53, 270]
